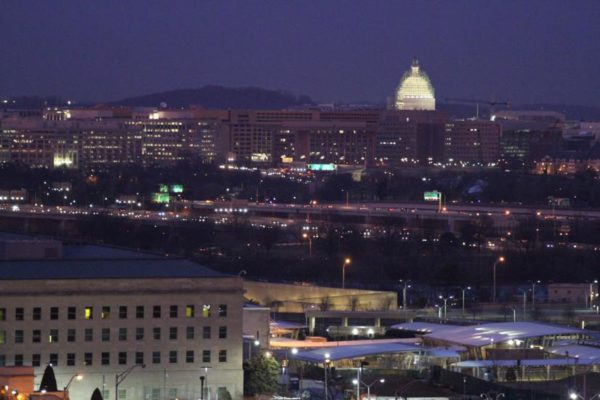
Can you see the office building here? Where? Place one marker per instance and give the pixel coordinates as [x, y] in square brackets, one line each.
[98, 311]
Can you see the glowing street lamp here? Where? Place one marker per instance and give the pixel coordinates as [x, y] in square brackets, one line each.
[308, 236]
[499, 260]
[347, 261]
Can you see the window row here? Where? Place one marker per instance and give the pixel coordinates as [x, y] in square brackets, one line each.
[140, 312]
[120, 358]
[105, 334]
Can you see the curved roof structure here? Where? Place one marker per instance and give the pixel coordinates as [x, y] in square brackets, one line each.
[484, 334]
[354, 351]
[415, 91]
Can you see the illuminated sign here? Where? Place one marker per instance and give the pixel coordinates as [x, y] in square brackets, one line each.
[432, 196]
[161, 198]
[176, 188]
[321, 167]
[162, 188]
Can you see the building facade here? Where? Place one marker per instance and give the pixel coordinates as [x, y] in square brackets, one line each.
[173, 319]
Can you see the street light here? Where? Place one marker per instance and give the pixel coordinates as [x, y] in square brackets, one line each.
[121, 377]
[499, 260]
[533, 292]
[404, 299]
[463, 290]
[347, 262]
[309, 237]
[203, 381]
[445, 299]
[66, 389]
[325, 365]
[368, 386]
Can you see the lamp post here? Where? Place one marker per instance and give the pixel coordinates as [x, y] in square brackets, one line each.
[309, 237]
[533, 292]
[121, 377]
[66, 389]
[347, 262]
[445, 299]
[463, 290]
[368, 386]
[325, 366]
[499, 260]
[404, 290]
[204, 382]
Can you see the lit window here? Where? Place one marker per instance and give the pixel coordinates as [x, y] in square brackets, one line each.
[189, 311]
[206, 310]
[105, 312]
[53, 336]
[89, 313]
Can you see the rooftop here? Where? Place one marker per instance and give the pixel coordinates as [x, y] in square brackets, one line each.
[84, 261]
[484, 334]
[110, 268]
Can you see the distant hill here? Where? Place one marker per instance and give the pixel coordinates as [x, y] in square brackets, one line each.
[219, 97]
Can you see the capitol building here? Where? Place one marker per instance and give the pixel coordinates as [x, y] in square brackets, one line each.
[415, 91]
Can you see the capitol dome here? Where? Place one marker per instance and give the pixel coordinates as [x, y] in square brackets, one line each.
[415, 91]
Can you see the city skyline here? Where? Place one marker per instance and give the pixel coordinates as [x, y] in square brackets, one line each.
[538, 52]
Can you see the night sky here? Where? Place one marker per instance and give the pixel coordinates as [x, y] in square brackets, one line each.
[524, 51]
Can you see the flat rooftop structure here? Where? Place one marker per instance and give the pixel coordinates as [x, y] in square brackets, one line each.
[486, 334]
[84, 261]
[104, 269]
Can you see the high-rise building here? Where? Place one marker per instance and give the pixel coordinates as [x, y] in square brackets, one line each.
[472, 142]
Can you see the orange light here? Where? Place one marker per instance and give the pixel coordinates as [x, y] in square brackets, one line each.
[501, 259]
[347, 261]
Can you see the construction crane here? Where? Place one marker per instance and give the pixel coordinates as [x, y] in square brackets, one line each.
[490, 103]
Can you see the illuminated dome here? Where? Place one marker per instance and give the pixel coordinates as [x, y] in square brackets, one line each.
[415, 91]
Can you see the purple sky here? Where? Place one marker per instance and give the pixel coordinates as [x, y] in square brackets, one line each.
[523, 51]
